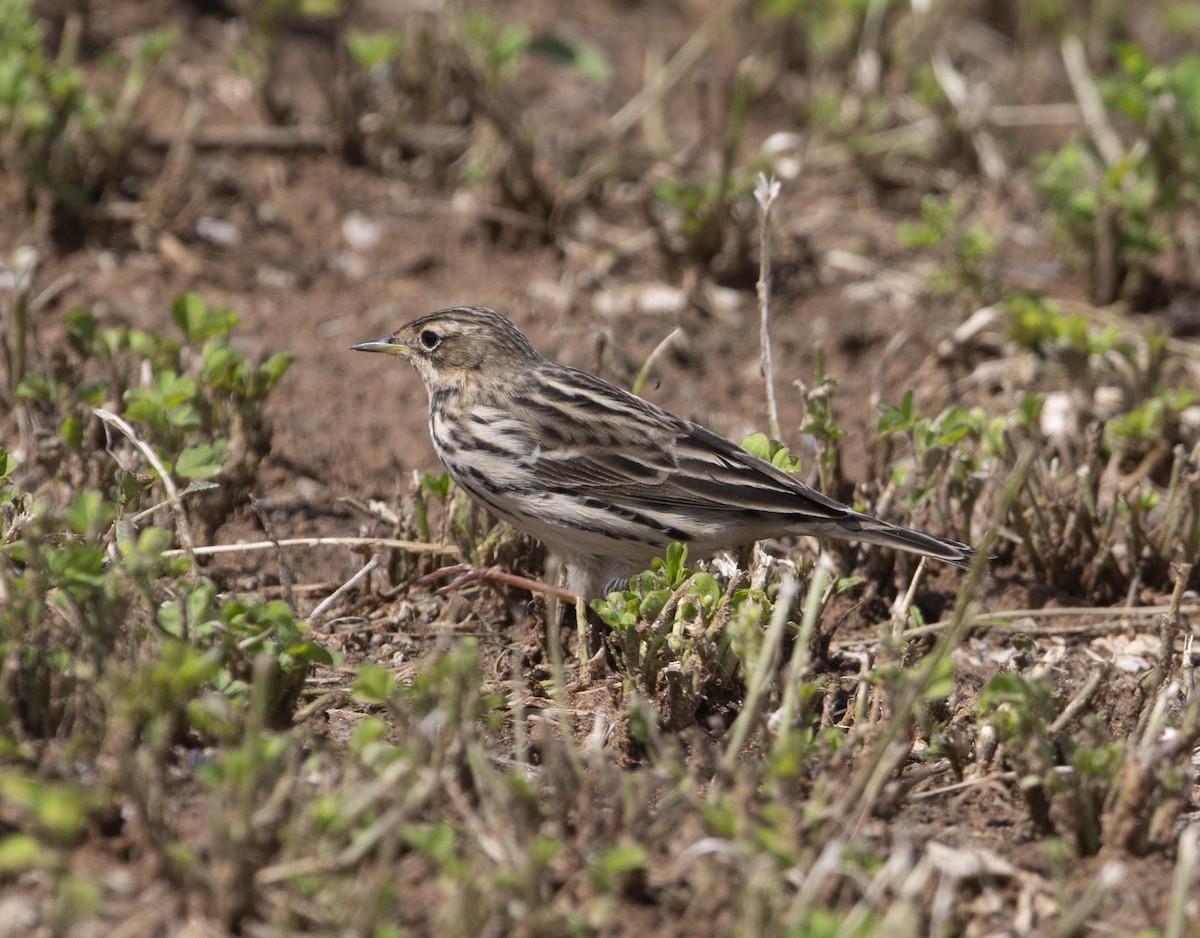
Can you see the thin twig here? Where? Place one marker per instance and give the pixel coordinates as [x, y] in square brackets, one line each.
[184, 528]
[278, 139]
[1181, 888]
[764, 664]
[197, 486]
[901, 610]
[970, 117]
[286, 575]
[687, 56]
[640, 381]
[1092, 107]
[766, 192]
[1079, 702]
[415, 547]
[342, 590]
[1002, 619]
[960, 786]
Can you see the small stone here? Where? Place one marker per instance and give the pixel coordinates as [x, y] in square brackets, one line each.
[217, 231]
[361, 232]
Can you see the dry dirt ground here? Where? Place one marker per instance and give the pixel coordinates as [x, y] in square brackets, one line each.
[323, 253]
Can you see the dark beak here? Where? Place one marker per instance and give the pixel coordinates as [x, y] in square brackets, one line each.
[386, 344]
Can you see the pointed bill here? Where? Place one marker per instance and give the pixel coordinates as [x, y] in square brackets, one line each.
[386, 344]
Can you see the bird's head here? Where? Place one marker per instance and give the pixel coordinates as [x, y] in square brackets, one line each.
[454, 347]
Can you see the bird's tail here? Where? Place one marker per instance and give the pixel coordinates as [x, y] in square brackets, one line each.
[874, 531]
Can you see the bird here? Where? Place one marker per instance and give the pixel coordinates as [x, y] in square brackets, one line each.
[606, 480]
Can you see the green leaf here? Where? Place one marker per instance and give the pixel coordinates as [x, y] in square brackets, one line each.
[60, 808]
[221, 363]
[319, 9]
[170, 619]
[371, 50]
[437, 840]
[19, 852]
[897, 419]
[847, 583]
[652, 604]
[436, 484]
[373, 684]
[941, 683]
[707, 590]
[153, 44]
[88, 514]
[37, 388]
[273, 369]
[81, 328]
[720, 818]
[200, 321]
[585, 60]
[369, 730]
[498, 49]
[622, 859]
[542, 850]
[675, 560]
[309, 652]
[202, 461]
[772, 451]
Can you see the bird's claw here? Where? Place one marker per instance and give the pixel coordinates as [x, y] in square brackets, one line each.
[459, 574]
[464, 574]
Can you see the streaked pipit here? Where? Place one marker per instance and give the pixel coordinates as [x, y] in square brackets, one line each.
[605, 479]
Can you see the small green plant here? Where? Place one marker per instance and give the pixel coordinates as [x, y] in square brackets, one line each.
[197, 402]
[971, 249]
[951, 452]
[1162, 102]
[1121, 212]
[266, 19]
[820, 423]
[498, 50]
[57, 135]
[772, 451]
[115, 654]
[1040, 325]
[686, 641]
[243, 630]
[89, 560]
[694, 214]
[673, 631]
[819, 35]
[1154, 392]
[462, 523]
[707, 219]
[1064, 777]
[372, 51]
[1153, 419]
[1106, 214]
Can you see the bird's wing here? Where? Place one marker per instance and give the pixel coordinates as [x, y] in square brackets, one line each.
[622, 469]
[630, 450]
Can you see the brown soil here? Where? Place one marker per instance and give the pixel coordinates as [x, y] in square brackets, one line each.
[349, 426]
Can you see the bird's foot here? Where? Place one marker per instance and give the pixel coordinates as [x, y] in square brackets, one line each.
[464, 574]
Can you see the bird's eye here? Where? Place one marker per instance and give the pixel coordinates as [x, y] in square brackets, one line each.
[430, 340]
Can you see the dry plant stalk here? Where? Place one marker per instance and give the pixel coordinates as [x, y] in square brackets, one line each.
[1139, 804]
[765, 193]
[890, 747]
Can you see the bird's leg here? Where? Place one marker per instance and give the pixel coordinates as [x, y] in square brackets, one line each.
[465, 573]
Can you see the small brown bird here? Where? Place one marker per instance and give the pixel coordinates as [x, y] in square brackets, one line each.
[605, 479]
